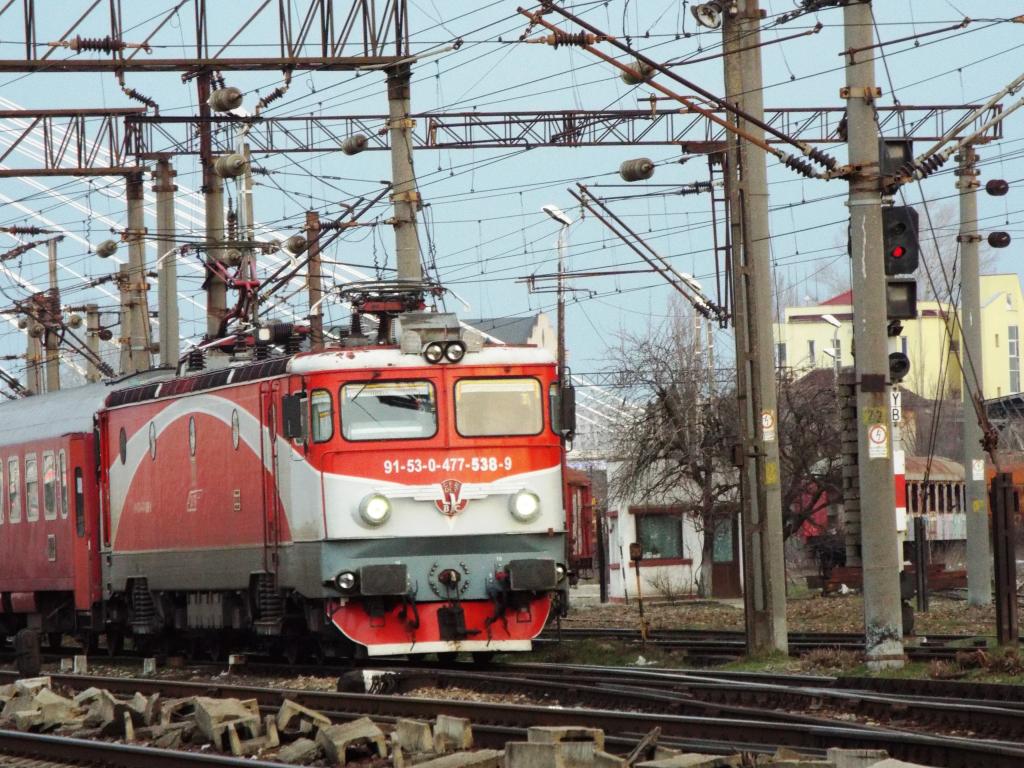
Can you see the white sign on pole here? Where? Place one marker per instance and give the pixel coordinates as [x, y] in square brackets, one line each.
[896, 405]
[977, 470]
[878, 441]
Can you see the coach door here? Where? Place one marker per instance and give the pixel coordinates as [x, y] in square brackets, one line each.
[269, 417]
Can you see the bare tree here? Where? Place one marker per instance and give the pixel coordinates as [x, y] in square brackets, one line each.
[677, 447]
[810, 447]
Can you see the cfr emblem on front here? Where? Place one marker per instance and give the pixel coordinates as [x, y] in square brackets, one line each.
[451, 501]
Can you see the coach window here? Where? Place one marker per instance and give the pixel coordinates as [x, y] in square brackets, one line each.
[49, 486]
[79, 502]
[321, 410]
[122, 444]
[31, 488]
[14, 489]
[492, 407]
[388, 410]
[62, 473]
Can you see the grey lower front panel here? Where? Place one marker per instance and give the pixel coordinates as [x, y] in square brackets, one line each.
[309, 567]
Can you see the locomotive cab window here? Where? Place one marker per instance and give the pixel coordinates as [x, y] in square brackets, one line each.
[321, 415]
[31, 488]
[388, 410]
[14, 489]
[49, 486]
[492, 407]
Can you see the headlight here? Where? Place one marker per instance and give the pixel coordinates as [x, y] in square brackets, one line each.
[375, 509]
[433, 352]
[455, 351]
[346, 581]
[524, 506]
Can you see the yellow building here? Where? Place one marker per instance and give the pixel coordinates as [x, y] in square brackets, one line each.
[821, 336]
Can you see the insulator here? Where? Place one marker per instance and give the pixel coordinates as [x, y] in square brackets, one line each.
[822, 158]
[579, 39]
[293, 344]
[354, 144]
[106, 44]
[16, 230]
[799, 165]
[229, 166]
[22, 323]
[196, 359]
[131, 93]
[105, 334]
[271, 97]
[232, 257]
[928, 166]
[106, 249]
[217, 80]
[998, 239]
[35, 331]
[637, 170]
[225, 99]
[645, 70]
[75, 320]
[295, 244]
[994, 187]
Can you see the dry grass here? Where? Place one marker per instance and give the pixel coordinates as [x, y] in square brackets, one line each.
[811, 614]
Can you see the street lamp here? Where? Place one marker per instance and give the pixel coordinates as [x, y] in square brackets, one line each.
[556, 213]
[836, 325]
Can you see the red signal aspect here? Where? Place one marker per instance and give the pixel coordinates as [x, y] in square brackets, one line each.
[898, 252]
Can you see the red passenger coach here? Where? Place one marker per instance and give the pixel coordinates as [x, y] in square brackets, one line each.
[49, 534]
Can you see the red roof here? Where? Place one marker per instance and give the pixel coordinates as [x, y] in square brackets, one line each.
[846, 297]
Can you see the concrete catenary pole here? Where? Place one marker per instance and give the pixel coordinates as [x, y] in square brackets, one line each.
[33, 359]
[138, 287]
[314, 281]
[213, 198]
[882, 614]
[404, 194]
[979, 553]
[764, 563]
[52, 326]
[167, 265]
[92, 340]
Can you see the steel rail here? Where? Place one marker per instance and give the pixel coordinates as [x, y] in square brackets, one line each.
[78, 751]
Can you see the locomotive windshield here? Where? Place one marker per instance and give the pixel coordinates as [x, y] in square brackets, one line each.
[393, 410]
[492, 407]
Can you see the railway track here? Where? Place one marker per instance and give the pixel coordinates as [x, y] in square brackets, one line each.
[714, 645]
[34, 750]
[495, 721]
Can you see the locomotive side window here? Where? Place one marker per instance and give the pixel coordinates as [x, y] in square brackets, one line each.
[31, 488]
[14, 489]
[62, 471]
[79, 502]
[388, 410]
[49, 486]
[321, 414]
[492, 407]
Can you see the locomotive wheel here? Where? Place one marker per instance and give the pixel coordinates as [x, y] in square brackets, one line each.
[447, 657]
[53, 640]
[483, 657]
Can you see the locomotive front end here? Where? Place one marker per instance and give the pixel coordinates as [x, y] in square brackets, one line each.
[442, 496]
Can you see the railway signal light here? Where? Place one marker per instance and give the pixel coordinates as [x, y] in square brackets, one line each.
[899, 367]
[899, 237]
[901, 298]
